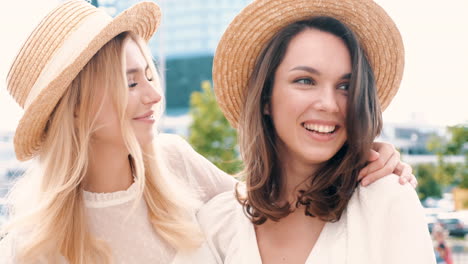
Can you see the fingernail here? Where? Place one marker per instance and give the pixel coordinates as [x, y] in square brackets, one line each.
[364, 183]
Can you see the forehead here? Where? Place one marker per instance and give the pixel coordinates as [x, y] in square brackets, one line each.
[318, 49]
[133, 55]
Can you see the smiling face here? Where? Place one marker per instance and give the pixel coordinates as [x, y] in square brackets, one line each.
[309, 97]
[142, 96]
[301, 130]
[142, 93]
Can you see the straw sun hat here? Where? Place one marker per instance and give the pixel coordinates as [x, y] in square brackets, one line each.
[56, 51]
[256, 24]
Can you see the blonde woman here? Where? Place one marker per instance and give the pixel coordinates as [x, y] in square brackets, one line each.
[98, 193]
[104, 187]
[305, 82]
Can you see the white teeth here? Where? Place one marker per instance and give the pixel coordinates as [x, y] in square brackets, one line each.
[319, 128]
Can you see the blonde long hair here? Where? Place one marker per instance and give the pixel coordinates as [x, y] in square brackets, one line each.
[46, 204]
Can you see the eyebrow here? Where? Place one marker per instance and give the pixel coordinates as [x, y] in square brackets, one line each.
[134, 70]
[306, 68]
[346, 76]
[314, 71]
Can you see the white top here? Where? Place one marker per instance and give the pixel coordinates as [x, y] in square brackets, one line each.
[383, 223]
[131, 237]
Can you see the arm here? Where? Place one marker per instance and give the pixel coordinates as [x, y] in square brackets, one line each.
[195, 169]
[384, 159]
[220, 223]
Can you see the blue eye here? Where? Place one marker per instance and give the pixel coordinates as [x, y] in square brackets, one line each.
[305, 81]
[343, 86]
[132, 85]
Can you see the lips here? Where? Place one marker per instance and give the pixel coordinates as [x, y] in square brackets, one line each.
[149, 116]
[319, 128]
[322, 127]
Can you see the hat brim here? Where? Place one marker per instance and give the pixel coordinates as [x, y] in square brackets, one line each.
[256, 24]
[143, 19]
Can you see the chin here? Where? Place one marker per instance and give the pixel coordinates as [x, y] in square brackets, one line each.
[145, 140]
[318, 159]
[319, 156]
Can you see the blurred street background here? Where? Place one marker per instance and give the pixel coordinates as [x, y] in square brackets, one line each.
[427, 122]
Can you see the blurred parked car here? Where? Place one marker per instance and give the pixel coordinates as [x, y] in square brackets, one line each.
[431, 216]
[431, 221]
[453, 224]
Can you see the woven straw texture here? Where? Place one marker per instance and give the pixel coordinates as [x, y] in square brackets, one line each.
[48, 37]
[256, 24]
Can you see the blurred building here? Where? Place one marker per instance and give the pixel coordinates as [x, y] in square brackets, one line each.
[410, 138]
[185, 42]
[194, 27]
[189, 27]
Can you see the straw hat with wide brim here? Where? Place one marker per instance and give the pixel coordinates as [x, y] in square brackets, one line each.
[56, 51]
[256, 24]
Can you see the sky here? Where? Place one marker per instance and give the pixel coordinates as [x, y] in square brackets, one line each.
[434, 90]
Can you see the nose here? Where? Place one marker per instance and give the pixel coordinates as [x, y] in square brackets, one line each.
[327, 100]
[152, 95]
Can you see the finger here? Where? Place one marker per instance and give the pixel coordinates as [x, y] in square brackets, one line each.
[399, 168]
[374, 166]
[363, 172]
[405, 172]
[386, 152]
[383, 148]
[373, 155]
[385, 170]
[371, 167]
[414, 182]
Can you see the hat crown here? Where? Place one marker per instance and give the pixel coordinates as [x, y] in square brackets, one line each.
[56, 52]
[42, 44]
[250, 31]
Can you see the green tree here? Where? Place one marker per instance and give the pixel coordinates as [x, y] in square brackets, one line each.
[427, 184]
[457, 145]
[210, 133]
[458, 140]
[446, 173]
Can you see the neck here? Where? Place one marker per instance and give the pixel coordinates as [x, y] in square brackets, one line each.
[109, 169]
[296, 174]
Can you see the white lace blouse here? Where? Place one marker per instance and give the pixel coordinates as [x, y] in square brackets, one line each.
[131, 237]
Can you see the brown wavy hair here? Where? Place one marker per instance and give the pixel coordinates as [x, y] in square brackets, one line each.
[332, 185]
